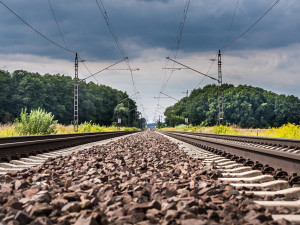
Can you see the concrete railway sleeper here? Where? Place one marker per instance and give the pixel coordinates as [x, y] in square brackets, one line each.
[280, 164]
[266, 141]
[280, 192]
[143, 178]
[15, 148]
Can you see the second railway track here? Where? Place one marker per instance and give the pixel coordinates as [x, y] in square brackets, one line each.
[14, 148]
[280, 191]
[146, 179]
[280, 157]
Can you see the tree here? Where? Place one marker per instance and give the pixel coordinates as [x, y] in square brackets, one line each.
[54, 93]
[244, 105]
[4, 96]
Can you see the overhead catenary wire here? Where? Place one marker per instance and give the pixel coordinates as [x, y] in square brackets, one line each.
[241, 35]
[249, 28]
[232, 20]
[112, 31]
[58, 27]
[88, 70]
[227, 44]
[103, 69]
[35, 30]
[226, 41]
[48, 39]
[213, 60]
[179, 37]
[42, 35]
[110, 27]
[181, 26]
[211, 65]
[66, 46]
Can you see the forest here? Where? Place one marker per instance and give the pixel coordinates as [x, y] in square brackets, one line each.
[54, 93]
[244, 106]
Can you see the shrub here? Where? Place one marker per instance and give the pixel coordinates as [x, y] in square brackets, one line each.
[7, 131]
[37, 122]
[285, 131]
[182, 127]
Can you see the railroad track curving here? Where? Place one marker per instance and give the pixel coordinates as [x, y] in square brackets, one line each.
[258, 174]
[15, 148]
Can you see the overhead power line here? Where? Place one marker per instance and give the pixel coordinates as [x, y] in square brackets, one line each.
[211, 65]
[246, 31]
[241, 35]
[91, 74]
[113, 33]
[226, 41]
[35, 30]
[103, 69]
[66, 46]
[237, 2]
[42, 35]
[62, 37]
[192, 69]
[110, 27]
[179, 37]
[181, 26]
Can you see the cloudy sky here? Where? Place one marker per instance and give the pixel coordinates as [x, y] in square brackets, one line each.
[267, 56]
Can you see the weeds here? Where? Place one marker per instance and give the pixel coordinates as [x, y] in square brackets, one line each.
[37, 122]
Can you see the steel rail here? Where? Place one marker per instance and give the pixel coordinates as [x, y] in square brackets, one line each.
[288, 162]
[5, 140]
[280, 142]
[24, 146]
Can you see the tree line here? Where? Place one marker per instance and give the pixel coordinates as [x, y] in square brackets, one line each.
[245, 106]
[54, 93]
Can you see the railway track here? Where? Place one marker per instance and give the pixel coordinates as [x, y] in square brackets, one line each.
[15, 148]
[280, 157]
[280, 189]
[143, 179]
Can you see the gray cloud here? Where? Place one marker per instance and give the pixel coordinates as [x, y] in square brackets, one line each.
[146, 24]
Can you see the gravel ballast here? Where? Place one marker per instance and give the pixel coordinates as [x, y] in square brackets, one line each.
[141, 179]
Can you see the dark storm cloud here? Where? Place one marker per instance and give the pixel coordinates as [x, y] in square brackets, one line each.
[142, 24]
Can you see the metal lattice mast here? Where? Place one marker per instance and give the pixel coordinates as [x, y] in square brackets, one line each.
[220, 94]
[186, 119]
[76, 95]
[128, 115]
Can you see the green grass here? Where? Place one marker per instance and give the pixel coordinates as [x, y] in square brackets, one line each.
[40, 122]
[9, 130]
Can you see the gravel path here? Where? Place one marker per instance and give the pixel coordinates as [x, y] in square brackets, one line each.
[141, 179]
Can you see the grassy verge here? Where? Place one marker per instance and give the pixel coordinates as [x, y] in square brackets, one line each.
[9, 130]
[285, 131]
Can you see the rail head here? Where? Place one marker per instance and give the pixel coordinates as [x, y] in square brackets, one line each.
[283, 142]
[38, 144]
[289, 162]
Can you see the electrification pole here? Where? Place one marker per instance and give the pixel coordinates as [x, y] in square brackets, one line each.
[220, 94]
[76, 95]
[128, 116]
[158, 121]
[186, 108]
[118, 116]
